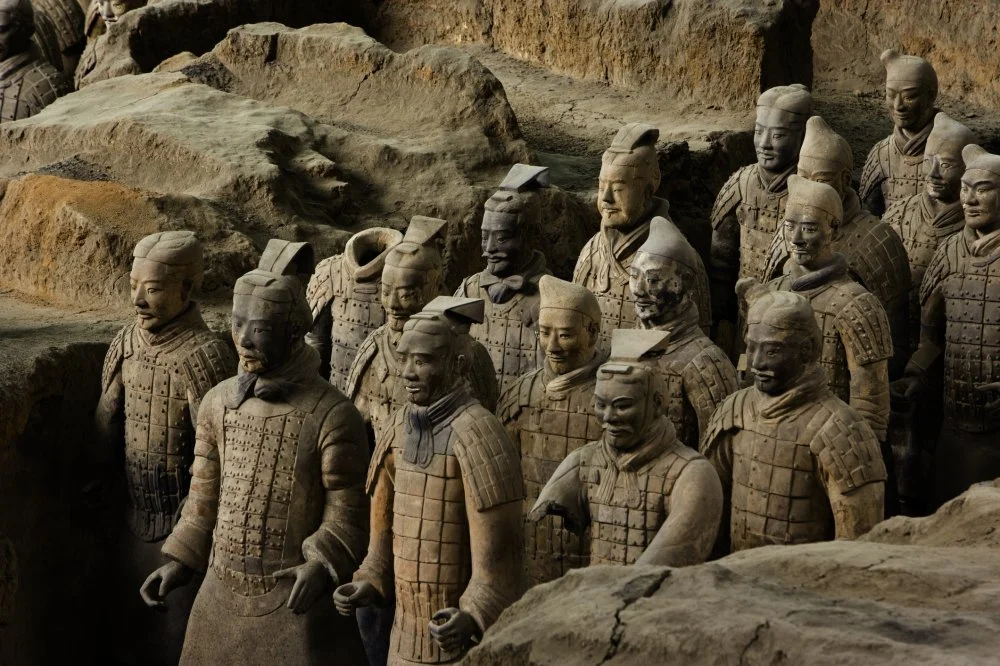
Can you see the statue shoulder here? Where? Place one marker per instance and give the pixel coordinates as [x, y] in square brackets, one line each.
[711, 368]
[864, 326]
[383, 444]
[876, 168]
[946, 260]
[322, 288]
[845, 446]
[362, 360]
[517, 396]
[491, 467]
[115, 355]
[207, 361]
[898, 211]
[735, 410]
[731, 194]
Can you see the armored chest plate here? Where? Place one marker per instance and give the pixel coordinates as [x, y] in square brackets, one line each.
[509, 335]
[759, 214]
[356, 312]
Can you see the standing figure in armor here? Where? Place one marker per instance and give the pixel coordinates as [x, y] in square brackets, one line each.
[345, 296]
[509, 285]
[856, 339]
[101, 15]
[875, 256]
[697, 374]
[156, 373]
[28, 82]
[646, 497]
[892, 171]
[446, 501]
[411, 278]
[751, 204]
[549, 414]
[630, 176]
[277, 514]
[797, 464]
[960, 300]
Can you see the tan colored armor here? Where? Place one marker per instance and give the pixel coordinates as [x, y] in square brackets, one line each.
[549, 416]
[344, 294]
[27, 85]
[62, 23]
[893, 168]
[780, 459]
[156, 382]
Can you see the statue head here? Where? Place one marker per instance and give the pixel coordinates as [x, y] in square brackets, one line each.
[826, 157]
[435, 347]
[980, 192]
[630, 176]
[781, 122]
[662, 275]
[569, 321]
[630, 393]
[166, 270]
[270, 319]
[812, 214]
[783, 338]
[911, 88]
[17, 25]
[112, 10]
[511, 219]
[411, 276]
[943, 164]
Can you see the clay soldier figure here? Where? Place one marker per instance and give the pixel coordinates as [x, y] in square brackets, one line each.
[156, 373]
[277, 515]
[100, 16]
[925, 220]
[344, 294]
[67, 26]
[411, 278]
[446, 501]
[646, 497]
[28, 83]
[549, 414]
[797, 464]
[630, 176]
[960, 299]
[751, 204]
[697, 374]
[509, 285]
[893, 169]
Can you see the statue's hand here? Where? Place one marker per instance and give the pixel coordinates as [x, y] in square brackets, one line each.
[542, 509]
[453, 629]
[310, 579]
[351, 596]
[163, 581]
[905, 389]
[992, 405]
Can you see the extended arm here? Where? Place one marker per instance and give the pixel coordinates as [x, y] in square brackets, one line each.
[870, 393]
[377, 567]
[563, 495]
[496, 541]
[856, 513]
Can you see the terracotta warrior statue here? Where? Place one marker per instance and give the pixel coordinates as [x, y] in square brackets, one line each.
[646, 498]
[630, 176]
[277, 515]
[446, 501]
[751, 205]
[697, 374]
[509, 285]
[892, 170]
[856, 339]
[28, 82]
[960, 299]
[67, 24]
[344, 294]
[875, 255]
[156, 373]
[549, 414]
[101, 15]
[797, 464]
[411, 278]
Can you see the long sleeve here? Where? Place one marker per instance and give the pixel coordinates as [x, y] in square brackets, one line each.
[377, 567]
[190, 542]
[319, 294]
[563, 495]
[719, 451]
[708, 380]
[866, 336]
[694, 513]
[109, 424]
[857, 513]
[932, 317]
[496, 540]
[870, 393]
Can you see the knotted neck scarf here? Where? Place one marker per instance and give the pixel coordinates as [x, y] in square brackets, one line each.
[983, 246]
[421, 423]
[776, 182]
[617, 464]
[811, 386]
[500, 290]
[556, 386]
[183, 323]
[949, 218]
[298, 372]
[813, 279]
[912, 146]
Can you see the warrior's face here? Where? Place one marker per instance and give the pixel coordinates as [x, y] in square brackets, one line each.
[157, 294]
[657, 286]
[405, 292]
[777, 357]
[808, 237]
[112, 10]
[503, 245]
[910, 105]
[623, 196]
[430, 365]
[261, 332]
[567, 337]
[625, 407]
[15, 29]
[981, 200]
[943, 174]
[777, 138]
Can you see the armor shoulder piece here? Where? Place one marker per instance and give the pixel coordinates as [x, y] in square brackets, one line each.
[321, 291]
[382, 448]
[942, 264]
[895, 214]
[366, 352]
[585, 261]
[482, 376]
[845, 446]
[712, 373]
[729, 196]
[116, 354]
[491, 468]
[516, 397]
[875, 169]
[730, 415]
[469, 287]
[208, 363]
[864, 328]
[877, 256]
